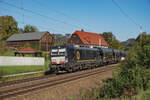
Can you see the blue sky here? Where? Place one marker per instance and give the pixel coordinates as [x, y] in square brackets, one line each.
[66, 16]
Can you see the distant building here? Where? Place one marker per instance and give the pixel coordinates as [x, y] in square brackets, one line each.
[87, 39]
[42, 39]
[57, 36]
[67, 35]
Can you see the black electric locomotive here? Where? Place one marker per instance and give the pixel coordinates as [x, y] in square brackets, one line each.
[70, 58]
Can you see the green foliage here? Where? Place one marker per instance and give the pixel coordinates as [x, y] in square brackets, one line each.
[8, 70]
[5, 51]
[8, 26]
[115, 44]
[26, 45]
[29, 28]
[139, 38]
[108, 36]
[60, 41]
[2, 46]
[112, 41]
[131, 80]
[26, 76]
[35, 46]
[129, 43]
[132, 75]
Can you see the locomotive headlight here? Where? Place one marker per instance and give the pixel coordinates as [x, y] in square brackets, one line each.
[66, 59]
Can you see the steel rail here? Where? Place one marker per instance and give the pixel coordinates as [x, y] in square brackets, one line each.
[49, 83]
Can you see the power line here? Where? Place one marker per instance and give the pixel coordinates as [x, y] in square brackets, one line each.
[23, 23]
[39, 20]
[25, 15]
[40, 26]
[62, 13]
[39, 14]
[22, 10]
[125, 14]
[29, 17]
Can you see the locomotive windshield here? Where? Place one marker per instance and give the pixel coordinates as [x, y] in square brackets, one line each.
[58, 51]
[54, 53]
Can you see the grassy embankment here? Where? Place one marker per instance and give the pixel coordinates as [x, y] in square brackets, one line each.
[9, 70]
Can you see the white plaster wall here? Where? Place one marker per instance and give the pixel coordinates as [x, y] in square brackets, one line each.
[16, 61]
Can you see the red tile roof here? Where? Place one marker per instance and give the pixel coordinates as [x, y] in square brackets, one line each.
[89, 38]
[28, 50]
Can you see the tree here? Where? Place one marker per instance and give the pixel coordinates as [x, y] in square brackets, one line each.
[133, 74]
[112, 41]
[129, 43]
[20, 30]
[142, 35]
[108, 36]
[29, 28]
[115, 44]
[8, 26]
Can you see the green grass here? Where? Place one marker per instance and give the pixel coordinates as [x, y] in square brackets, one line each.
[8, 70]
[6, 79]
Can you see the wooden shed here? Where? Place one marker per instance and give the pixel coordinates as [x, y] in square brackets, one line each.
[41, 40]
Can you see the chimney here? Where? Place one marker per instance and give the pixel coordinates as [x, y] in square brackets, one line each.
[82, 30]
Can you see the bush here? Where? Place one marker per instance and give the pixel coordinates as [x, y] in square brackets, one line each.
[132, 75]
[127, 82]
[36, 46]
[2, 46]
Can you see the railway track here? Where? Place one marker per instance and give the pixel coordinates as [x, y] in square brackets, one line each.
[2, 84]
[48, 82]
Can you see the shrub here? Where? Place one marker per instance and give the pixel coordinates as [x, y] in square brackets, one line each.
[131, 77]
[132, 74]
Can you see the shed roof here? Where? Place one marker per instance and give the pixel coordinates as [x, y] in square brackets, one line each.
[91, 38]
[28, 50]
[26, 36]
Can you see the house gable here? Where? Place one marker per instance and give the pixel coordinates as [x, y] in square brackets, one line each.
[74, 40]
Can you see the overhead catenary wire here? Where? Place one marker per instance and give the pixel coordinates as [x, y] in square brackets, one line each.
[64, 14]
[125, 14]
[41, 26]
[130, 18]
[22, 11]
[39, 14]
[28, 16]
[23, 23]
